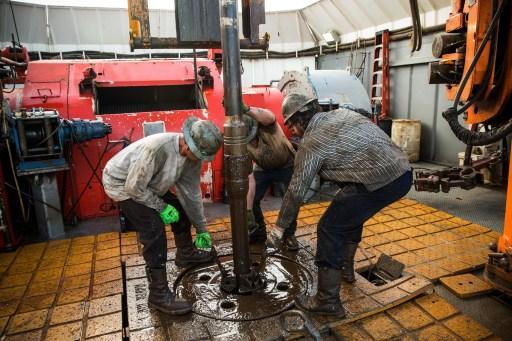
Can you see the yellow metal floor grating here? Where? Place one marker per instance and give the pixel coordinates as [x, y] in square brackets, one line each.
[416, 320]
[64, 290]
[466, 285]
[71, 289]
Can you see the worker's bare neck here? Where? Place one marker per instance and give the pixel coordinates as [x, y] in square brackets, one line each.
[182, 146]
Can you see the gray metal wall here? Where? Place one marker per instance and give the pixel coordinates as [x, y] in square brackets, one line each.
[411, 95]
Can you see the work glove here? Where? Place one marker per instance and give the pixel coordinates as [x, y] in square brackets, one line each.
[245, 108]
[203, 240]
[169, 215]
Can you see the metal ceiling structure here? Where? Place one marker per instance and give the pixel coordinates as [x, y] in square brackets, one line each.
[64, 27]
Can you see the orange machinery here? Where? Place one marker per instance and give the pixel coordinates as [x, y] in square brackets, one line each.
[476, 65]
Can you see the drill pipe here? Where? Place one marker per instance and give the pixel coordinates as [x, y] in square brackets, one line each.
[236, 159]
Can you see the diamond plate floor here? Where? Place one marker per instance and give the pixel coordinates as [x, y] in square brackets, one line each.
[93, 287]
[429, 317]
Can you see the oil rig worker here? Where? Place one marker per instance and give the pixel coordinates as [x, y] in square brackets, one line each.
[273, 156]
[346, 148]
[140, 177]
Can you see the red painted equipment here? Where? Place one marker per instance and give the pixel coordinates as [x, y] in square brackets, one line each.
[17, 58]
[128, 94]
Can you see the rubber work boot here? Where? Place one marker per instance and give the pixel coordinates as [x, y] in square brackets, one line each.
[327, 299]
[290, 242]
[257, 230]
[187, 254]
[347, 262]
[161, 298]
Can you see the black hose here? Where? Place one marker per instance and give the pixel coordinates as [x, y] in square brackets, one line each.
[418, 26]
[414, 26]
[475, 138]
[451, 114]
[14, 76]
[469, 149]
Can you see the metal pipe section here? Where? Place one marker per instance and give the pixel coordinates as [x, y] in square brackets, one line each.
[173, 43]
[236, 159]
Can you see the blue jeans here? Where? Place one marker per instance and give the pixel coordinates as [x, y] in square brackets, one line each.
[265, 179]
[343, 221]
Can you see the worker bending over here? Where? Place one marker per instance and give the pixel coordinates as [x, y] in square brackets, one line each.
[140, 177]
[344, 147]
[273, 156]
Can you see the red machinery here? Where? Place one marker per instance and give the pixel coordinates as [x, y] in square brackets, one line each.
[131, 95]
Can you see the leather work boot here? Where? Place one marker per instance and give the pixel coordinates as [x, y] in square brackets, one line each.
[327, 299]
[347, 266]
[187, 254]
[290, 242]
[257, 234]
[161, 298]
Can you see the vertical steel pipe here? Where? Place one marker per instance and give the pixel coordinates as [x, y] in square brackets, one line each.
[236, 160]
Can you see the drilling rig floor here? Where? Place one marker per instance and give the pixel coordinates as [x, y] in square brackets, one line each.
[94, 287]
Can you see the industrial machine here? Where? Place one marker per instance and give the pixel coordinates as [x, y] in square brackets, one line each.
[475, 64]
[40, 138]
[333, 88]
[135, 97]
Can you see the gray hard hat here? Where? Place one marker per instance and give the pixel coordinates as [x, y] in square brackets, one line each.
[202, 137]
[294, 103]
[252, 127]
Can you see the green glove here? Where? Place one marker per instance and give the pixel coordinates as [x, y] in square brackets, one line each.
[169, 214]
[245, 108]
[203, 240]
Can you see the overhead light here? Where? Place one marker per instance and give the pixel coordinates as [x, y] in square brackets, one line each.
[331, 37]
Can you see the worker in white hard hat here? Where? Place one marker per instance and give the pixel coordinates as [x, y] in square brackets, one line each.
[346, 148]
[272, 155]
[140, 178]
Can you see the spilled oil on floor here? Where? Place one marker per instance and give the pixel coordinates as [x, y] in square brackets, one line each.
[94, 287]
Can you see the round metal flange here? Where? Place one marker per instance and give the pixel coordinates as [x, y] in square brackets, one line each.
[283, 278]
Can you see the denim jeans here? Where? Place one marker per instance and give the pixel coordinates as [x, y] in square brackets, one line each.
[151, 228]
[343, 220]
[264, 179]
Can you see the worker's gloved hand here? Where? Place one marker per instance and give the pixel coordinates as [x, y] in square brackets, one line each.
[169, 214]
[274, 241]
[203, 240]
[245, 108]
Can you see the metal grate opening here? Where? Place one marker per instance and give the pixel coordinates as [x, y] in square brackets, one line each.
[120, 100]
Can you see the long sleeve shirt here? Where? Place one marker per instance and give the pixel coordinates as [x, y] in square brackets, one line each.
[145, 170]
[344, 147]
[270, 149]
